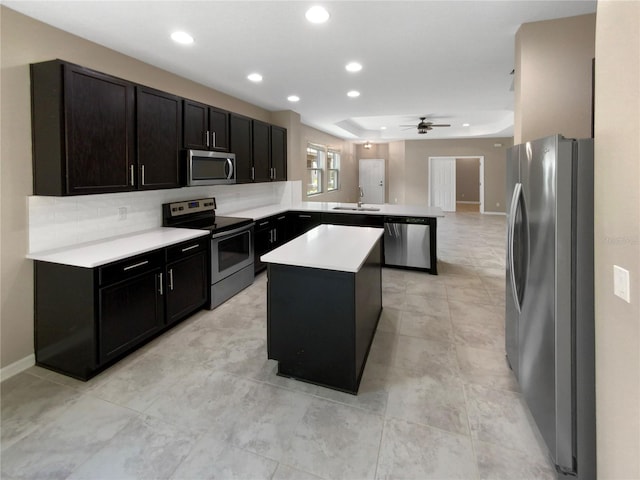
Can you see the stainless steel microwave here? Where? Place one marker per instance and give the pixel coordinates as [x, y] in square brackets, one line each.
[210, 168]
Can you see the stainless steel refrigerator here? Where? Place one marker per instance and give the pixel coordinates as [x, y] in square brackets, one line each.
[549, 323]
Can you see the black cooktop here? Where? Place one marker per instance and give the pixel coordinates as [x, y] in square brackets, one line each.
[200, 214]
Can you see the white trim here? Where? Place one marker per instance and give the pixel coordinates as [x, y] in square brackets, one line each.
[494, 213]
[471, 203]
[17, 367]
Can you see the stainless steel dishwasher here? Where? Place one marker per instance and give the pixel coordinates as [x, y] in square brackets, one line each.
[407, 242]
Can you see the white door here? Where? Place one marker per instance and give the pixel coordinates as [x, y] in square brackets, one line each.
[442, 183]
[371, 180]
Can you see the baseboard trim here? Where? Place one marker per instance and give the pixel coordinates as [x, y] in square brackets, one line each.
[493, 213]
[471, 203]
[17, 367]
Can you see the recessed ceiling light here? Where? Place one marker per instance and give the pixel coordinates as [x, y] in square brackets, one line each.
[293, 98]
[353, 67]
[255, 77]
[383, 128]
[182, 37]
[466, 125]
[317, 14]
[353, 93]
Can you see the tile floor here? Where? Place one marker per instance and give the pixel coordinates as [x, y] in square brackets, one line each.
[437, 399]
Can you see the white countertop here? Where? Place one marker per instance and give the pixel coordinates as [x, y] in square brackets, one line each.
[329, 207]
[328, 247]
[101, 252]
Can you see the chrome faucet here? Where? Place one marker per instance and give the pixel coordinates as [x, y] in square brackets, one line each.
[361, 192]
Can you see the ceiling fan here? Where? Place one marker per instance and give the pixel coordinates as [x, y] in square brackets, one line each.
[424, 127]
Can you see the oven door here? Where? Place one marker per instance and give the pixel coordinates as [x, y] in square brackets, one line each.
[231, 252]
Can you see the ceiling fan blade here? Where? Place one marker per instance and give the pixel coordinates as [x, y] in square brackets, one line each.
[439, 125]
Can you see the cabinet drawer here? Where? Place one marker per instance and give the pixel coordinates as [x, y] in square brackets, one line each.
[185, 249]
[130, 267]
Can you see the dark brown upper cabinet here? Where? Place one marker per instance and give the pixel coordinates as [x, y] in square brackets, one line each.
[241, 144]
[205, 127]
[261, 151]
[159, 132]
[279, 153]
[83, 127]
[269, 152]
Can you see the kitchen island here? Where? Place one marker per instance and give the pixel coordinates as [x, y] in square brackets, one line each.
[324, 299]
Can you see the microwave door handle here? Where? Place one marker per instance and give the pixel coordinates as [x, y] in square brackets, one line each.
[230, 164]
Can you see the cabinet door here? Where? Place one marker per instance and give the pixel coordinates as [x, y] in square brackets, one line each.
[159, 116]
[100, 118]
[262, 240]
[130, 311]
[279, 153]
[281, 232]
[196, 124]
[218, 129]
[261, 151]
[241, 143]
[301, 222]
[186, 286]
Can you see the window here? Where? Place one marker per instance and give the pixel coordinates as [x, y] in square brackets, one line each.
[315, 166]
[333, 170]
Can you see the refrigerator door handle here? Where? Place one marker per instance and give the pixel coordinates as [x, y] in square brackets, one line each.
[517, 193]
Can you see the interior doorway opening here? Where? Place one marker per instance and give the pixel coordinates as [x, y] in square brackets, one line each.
[456, 183]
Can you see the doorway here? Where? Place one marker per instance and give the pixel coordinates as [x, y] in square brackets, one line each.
[371, 176]
[442, 181]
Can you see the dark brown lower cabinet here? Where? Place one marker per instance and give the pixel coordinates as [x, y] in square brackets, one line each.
[88, 318]
[130, 311]
[186, 286]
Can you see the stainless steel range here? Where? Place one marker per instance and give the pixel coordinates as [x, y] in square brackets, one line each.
[231, 244]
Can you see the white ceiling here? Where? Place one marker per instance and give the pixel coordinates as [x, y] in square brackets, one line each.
[448, 60]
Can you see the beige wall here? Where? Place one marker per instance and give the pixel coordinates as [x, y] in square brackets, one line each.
[414, 187]
[553, 78]
[617, 237]
[395, 172]
[467, 179]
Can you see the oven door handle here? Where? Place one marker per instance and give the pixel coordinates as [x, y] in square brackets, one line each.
[233, 232]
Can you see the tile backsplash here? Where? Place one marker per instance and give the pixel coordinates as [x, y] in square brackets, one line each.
[56, 222]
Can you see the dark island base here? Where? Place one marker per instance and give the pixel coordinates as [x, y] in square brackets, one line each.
[321, 323]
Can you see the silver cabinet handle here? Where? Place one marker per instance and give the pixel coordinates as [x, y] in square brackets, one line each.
[186, 249]
[171, 279]
[304, 216]
[160, 282]
[263, 223]
[253, 173]
[207, 137]
[135, 265]
[142, 169]
[282, 217]
[131, 174]
[213, 139]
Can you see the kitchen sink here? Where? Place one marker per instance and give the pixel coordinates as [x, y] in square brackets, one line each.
[358, 209]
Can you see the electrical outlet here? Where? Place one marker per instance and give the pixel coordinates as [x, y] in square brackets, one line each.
[621, 283]
[497, 204]
[122, 213]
